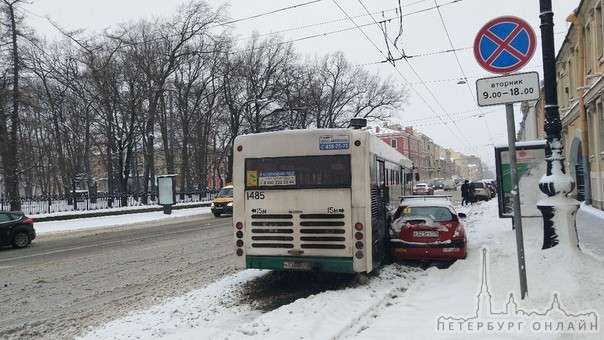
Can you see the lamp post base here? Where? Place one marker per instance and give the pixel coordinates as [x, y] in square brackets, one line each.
[559, 222]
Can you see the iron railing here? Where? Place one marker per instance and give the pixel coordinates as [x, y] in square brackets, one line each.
[47, 204]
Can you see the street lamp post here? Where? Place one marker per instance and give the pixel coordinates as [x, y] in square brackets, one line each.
[557, 209]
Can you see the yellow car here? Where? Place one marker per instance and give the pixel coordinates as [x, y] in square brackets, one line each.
[223, 201]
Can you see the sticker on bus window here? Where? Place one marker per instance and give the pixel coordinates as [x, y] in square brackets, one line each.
[273, 178]
[251, 178]
[341, 142]
[406, 210]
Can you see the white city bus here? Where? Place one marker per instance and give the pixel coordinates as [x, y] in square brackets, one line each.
[314, 199]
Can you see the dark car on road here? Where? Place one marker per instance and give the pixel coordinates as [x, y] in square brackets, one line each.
[438, 184]
[16, 229]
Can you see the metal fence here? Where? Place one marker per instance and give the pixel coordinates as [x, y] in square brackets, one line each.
[84, 202]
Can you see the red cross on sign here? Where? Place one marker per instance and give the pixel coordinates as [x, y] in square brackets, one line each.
[504, 44]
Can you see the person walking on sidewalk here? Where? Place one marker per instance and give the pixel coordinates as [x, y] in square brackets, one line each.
[465, 193]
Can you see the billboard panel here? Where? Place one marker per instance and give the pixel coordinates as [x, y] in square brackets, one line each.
[530, 168]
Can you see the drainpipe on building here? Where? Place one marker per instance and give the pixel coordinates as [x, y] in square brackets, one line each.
[573, 18]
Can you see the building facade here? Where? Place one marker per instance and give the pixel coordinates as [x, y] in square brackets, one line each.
[431, 161]
[580, 86]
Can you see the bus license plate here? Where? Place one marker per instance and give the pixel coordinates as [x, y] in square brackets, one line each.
[297, 265]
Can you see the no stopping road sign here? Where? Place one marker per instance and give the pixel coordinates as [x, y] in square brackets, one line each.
[504, 44]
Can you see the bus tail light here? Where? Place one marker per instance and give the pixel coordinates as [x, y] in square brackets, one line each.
[358, 227]
[359, 244]
[239, 235]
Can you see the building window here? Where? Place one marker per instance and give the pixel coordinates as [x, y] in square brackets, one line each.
[599, 42]
[393, 143]
[572, 74]
[590, 59]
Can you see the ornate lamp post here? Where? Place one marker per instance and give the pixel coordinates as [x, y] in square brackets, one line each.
[557, 209]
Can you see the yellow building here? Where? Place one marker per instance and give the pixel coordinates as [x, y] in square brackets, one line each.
[580, 84]
[580, 67]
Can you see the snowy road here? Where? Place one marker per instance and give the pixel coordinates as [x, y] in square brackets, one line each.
[89, 277]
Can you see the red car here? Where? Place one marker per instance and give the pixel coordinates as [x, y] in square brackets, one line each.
[427, 228]
[423, 189]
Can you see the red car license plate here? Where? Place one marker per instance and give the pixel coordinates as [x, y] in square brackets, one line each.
[425, 233]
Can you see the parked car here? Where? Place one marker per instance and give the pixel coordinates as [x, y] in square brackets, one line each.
[449, 184]
[423, 189]
[481, 191]
[492, 186]
[427, 228]
[16, 229]
[223, 201]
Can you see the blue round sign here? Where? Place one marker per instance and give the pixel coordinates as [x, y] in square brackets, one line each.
[504, 45]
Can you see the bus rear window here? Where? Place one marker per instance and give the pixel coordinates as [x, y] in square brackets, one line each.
[331, 171]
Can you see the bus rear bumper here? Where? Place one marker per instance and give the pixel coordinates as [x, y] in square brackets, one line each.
[322, 264]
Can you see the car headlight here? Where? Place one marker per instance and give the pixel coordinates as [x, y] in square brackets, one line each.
[230, 204]
[212, 205]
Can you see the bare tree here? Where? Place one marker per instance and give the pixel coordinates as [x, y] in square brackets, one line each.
[253, 85]
[197, 87]
[339, 91]
[157, 50]
[265, 65]
[10, 122]
[56, 83]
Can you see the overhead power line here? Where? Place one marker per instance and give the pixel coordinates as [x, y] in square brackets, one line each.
[359, 28]
[270, 12]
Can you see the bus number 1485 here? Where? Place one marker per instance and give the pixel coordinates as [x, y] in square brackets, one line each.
[255, 195]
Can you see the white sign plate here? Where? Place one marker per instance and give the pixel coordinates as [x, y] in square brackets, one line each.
[507, 89]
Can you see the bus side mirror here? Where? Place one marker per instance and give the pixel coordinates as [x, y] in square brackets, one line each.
[408, 177]
[417, 177]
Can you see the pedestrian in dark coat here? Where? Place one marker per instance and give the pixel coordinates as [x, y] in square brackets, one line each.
[465, 193]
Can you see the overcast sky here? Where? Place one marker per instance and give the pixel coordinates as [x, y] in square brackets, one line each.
[439, 107]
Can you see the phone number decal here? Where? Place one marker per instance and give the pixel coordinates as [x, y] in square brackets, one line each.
[334, 143]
